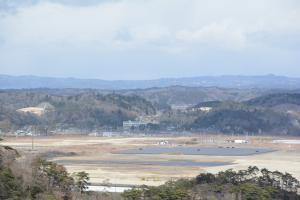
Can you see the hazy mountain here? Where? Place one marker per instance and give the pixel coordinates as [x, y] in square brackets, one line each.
[268, 81]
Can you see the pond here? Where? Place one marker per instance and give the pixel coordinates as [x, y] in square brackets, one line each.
[209, 151]
[186, 163]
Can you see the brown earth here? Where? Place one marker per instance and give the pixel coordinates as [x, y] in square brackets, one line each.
[286, 158]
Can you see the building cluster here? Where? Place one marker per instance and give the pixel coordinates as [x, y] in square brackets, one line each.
[140, 123]
[163, 142]
[238, 141]
[23, 132]
[129, 125]
[105, 134]
[202, 109]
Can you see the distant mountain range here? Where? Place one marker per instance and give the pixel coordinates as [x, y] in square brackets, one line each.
[240, 82]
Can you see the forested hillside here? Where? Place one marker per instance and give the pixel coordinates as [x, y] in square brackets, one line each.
[87, 110]
[275, 100]
[179, 95]
[275, 114]
[227, 111]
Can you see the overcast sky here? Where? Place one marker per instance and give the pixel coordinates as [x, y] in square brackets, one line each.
[147, 39]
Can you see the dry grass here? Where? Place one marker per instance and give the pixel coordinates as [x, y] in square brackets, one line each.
[286, 158]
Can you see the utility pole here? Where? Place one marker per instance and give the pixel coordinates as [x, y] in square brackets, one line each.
[32, 138]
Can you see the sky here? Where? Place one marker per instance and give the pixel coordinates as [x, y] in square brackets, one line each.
[149, 39]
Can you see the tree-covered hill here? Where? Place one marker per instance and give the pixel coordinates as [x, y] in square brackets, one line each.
[180, 95]
[272, 100]
[277, 114]
[251, 121]
[87, 110]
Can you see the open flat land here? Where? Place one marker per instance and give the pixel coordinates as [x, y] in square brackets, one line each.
[96, 155]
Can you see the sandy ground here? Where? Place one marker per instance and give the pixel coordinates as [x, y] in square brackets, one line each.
[286, 158]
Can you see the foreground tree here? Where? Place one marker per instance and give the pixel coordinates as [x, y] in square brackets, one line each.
[248, 184]
[133, 194]
[81, 181]
[57, 177]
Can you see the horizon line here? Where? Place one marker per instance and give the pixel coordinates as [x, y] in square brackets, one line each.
[154, 79]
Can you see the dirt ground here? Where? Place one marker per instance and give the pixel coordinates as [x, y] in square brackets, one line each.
[80, 153]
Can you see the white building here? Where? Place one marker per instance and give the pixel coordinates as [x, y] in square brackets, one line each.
[163, 142]
[241, 141]
[238, 141]
[23, 133]
[203, 109]
[107, 134]
[133, 124]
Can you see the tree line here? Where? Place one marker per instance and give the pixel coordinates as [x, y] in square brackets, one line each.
[250, 184]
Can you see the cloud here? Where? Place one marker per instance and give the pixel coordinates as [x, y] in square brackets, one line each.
[218, 35]
[142, 28]
[144, 22]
